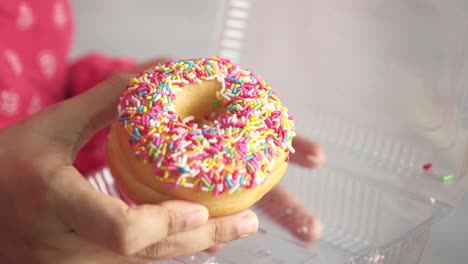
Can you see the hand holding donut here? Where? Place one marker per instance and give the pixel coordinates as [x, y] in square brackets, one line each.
[208, 131]
[51, 214]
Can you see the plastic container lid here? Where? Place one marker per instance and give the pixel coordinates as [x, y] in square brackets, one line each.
[382, 85]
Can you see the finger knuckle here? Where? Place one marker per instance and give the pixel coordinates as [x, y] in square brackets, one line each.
[218, 233]
[174, 221]
[124, 235]
[163, 249]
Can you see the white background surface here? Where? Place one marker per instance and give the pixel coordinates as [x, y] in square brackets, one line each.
[149, 28]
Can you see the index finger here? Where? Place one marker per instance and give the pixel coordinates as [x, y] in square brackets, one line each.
[110, 223]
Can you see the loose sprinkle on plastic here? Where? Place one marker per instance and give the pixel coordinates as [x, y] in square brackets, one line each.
[448, 179]
[217, 154]
[427, 166]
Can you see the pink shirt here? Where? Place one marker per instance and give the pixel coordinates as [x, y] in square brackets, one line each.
[35, 41]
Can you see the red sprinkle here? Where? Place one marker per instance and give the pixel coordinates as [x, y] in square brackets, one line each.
[427, 166]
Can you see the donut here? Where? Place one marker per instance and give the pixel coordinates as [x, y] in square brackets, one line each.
[203, 130]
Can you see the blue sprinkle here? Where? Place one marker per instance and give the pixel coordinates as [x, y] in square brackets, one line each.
[190, 64]
[164, 109]
[183, 169]
[154, 96]
[142, 93]
[249, 157]
[270, 93]
[137, 132]
[266, 150]
[234, 90]
[152, 116]
[171, 145]
[140, 108]
[229, 182]
[234, 80]
[133, 139]
[241, 180]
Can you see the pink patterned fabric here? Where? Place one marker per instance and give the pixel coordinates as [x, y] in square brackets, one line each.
[35, 71]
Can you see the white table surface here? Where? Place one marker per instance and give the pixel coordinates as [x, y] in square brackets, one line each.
[115, 26]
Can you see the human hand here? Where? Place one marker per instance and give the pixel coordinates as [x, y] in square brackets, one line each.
[283, 207]
[51, 214]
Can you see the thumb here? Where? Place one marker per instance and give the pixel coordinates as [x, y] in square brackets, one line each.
[72, 122]
[109, 222]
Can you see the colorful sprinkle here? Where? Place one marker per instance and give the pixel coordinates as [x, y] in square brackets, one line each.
[427, 166]
[216, 154]
[447, 179]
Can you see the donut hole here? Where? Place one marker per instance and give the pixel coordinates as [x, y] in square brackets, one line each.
[199, 100]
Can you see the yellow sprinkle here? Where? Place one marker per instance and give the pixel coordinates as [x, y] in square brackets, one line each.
[229, 140]
[164, 149]
[166, 174]
[215, 68]
[152, 131]
[183, 181]
[134, 81]
[212, 164]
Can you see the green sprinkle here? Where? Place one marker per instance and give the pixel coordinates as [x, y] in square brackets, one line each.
[447, 179]
[207, 184]
[158, 149]
[211, 187]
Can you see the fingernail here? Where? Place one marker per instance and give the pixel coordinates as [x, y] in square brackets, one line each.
[248, 224]
[196, 218]
[318, 228]
[317, 161]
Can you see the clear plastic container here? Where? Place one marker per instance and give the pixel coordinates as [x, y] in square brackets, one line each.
[382, 86]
